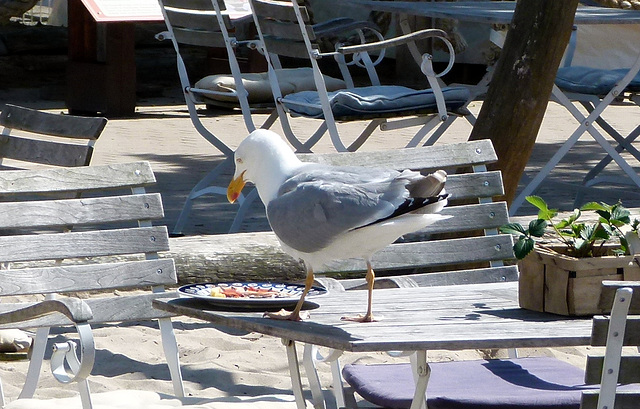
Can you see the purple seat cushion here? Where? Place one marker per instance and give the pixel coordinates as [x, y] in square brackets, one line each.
[531, 383]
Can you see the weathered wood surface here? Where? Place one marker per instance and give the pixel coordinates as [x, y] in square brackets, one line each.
[83, 244]
[103, 309]
[25, 137]
[629, 369]
[39, 122]
[79, 179]
[601, 326]
[80, 211]
[624, 400]
[453, 317]
[115, 245]
[86, 277]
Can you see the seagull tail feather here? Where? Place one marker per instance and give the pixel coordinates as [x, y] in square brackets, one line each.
[429, 186]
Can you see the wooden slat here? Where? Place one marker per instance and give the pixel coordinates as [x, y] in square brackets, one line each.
[85, 277]
[105, 310]
[199, 38]
[284, 31]
[82, 178]
[195, 21]
[474, 276]
[474, 185]
[44, 152]
[68, 126]
[431, 157]
[78, 212]
[608, 293]
[433, 253]
[601, 326]
[470, 218]
[629, 369]
[286, 48]
[193, 4]
[279, 10]
[83, 244]
[624, 400]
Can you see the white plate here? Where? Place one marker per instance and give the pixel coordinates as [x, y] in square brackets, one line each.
[287, 295]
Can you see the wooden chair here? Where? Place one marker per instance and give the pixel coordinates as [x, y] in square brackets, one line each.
[26, 140]
[285, 31]
[537, 382]
[31, 138]
[113, 245]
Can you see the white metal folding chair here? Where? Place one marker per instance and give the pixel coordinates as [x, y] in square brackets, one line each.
[284, 29]
[595, 89]
[208, 23]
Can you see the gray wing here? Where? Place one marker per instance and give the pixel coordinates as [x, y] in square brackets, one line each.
[314, 207]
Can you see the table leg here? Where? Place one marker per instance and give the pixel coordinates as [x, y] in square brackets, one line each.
[421, 375]
[294, 372]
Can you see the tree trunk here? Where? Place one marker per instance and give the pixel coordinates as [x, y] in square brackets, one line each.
[522, 81]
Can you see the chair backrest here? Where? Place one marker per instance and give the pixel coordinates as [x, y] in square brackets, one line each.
[620, 328]
[32, 138]
[469, 241]
[279, 25]
[206, 24]
[113, 243]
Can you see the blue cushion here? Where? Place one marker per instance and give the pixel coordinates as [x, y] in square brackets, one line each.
[375, 101]
[540, 383]
[593, 81]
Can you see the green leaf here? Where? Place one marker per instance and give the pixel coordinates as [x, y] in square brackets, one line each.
[620, 215]
[523, 246]
[543, 210]
[538, 202]
[537, 227]
[512, 228]
[594, 206]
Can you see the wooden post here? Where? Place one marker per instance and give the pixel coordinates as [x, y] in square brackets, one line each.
[519, 92]
[101, 73]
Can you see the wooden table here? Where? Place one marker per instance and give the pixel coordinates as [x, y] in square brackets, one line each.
[414, 319]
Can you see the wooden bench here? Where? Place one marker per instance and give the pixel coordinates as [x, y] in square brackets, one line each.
[102, 241]
[468, 243]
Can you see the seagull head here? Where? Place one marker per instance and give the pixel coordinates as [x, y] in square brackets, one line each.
[264, 159]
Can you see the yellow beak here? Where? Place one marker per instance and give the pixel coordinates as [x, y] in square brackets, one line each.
[235, 188]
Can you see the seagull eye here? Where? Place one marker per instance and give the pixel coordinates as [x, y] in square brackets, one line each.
[239, 160]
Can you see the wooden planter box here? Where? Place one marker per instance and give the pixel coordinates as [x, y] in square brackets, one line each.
[554, 282]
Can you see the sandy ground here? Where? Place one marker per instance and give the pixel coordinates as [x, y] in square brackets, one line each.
[216, 364]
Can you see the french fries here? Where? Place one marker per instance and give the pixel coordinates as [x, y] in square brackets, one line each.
[243, 292]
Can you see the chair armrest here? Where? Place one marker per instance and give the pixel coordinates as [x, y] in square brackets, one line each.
[392, 42]
[74, 308]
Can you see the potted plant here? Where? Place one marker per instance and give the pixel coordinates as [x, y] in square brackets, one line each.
[563, 262]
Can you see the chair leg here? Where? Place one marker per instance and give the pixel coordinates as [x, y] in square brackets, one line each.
[203, 187]
[170, 346]
[294, 372]
[35, 363]
[244, 207]
[85, 394]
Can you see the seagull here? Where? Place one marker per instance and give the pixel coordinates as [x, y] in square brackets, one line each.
[321, 213]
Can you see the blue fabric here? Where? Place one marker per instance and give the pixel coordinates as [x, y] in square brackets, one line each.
[593, 81]
[375, 101]
[532, 383]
